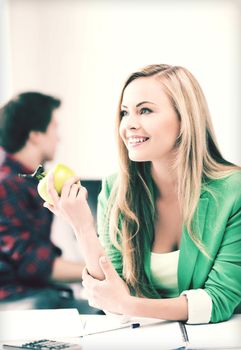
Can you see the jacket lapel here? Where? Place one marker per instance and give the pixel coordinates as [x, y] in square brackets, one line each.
[188, 249]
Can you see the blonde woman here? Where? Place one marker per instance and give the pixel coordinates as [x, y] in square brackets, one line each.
[169, 223]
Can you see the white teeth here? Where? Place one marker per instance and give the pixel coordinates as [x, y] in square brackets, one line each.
[137, 139]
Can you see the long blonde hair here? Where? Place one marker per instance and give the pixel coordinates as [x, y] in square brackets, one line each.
[132, 203]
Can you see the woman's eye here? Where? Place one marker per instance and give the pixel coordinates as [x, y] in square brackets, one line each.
[123, 114]
[145, 111]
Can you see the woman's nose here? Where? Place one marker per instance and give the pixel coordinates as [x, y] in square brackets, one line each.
[132, 122]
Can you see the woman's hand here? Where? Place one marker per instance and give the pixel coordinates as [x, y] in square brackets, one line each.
[72, 205]
[109, 294]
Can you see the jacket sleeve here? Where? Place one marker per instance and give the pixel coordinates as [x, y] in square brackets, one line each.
[103, 225]
[224, 280]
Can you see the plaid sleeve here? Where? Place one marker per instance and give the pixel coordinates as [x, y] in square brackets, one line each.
[25, 246]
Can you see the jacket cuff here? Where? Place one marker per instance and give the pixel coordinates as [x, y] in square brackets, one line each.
[199, 306]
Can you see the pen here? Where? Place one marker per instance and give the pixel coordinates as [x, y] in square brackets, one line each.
[129, 325]
[135, 325]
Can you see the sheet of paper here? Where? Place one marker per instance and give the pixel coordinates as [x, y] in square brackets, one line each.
[102, 323]
[152, 334]
[37, 324]
[223, 335]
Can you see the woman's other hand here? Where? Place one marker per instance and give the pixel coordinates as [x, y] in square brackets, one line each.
[110, 294]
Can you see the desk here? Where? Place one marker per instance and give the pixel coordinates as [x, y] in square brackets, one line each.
[161, 335]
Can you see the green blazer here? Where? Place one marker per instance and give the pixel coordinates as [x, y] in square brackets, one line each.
[219, 219]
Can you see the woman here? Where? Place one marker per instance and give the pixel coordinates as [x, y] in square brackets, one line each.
[170, 221]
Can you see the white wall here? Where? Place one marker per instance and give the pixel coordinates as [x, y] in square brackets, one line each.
[5, 59]
[82, 51]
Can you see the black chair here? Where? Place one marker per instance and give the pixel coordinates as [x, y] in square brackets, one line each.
[93, 187]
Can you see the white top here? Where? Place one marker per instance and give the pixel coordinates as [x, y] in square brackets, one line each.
[164, 272]
[164, 276]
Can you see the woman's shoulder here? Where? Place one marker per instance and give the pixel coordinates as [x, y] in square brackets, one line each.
[230, 182]
[225, 187]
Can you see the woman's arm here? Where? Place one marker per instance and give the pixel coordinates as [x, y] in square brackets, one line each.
[112, 294]
[66, 271]
[167, 309]
[73, 206]
[91, 250]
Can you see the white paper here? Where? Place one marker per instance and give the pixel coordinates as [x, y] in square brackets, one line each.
[152, 334]
[101, 323]
[223, 335]
[37, 324]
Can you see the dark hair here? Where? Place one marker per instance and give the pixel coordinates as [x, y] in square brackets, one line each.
[28, 111]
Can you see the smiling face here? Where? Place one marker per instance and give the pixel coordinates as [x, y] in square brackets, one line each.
[149, 124]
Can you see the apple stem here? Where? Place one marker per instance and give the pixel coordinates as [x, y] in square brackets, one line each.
[39, 173]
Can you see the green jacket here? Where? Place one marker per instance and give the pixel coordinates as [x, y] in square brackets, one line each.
[219, 219]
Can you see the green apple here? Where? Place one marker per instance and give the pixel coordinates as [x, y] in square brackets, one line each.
[61, 174]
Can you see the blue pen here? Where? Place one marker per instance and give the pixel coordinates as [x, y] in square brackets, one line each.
[129, 325]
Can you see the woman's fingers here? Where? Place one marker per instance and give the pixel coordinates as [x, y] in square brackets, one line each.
[82, 193]
[51, 189]
[71, 186]
[50, 207]
[68, 186]
[75, 188]
[84, 273]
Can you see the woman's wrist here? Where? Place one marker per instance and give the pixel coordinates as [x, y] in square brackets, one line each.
[91, 250]
[85, 230]
[129, 306]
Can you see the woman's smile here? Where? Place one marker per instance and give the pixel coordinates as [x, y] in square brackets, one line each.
[136, 141]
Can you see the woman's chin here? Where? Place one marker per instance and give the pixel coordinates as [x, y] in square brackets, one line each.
[136, 158]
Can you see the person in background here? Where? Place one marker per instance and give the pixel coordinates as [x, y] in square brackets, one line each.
[169, 223]
[32, 270]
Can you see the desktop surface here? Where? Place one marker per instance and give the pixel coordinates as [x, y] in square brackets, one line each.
[152, 334]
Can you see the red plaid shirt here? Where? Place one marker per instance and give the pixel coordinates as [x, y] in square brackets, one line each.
[26, 251]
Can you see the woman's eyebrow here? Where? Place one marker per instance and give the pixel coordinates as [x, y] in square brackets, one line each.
[139, 104]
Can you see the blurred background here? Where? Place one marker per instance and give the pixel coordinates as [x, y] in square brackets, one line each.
[82, 51]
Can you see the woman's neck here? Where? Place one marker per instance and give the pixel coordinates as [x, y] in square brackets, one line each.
[165, 178]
